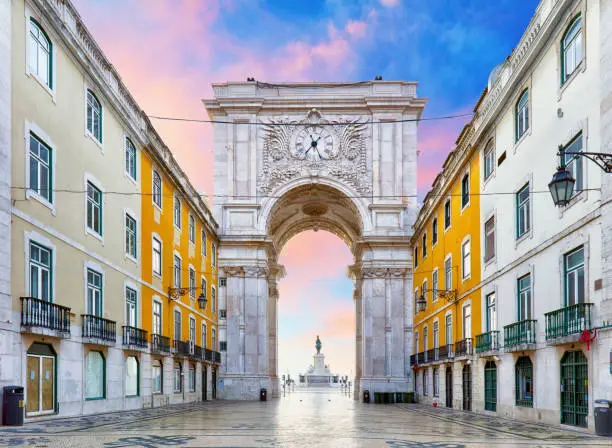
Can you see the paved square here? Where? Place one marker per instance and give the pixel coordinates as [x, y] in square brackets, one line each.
[302, 418]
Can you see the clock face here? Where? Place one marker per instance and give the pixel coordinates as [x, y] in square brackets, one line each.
[314, 143]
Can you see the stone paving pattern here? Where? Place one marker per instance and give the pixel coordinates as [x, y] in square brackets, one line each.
[301, 418]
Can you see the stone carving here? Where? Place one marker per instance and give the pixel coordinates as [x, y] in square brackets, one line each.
[282, 163]
[385, 272]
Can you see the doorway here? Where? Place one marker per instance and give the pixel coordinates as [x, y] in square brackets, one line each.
[449, 387]
[204, 382]
[214, 383]
[574, 389]
[467, 388]
[40, 382]
[490, 386]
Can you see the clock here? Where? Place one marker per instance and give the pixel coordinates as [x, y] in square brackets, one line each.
[314, 143]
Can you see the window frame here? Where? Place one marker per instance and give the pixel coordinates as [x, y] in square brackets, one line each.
[214, 255]
[155, 238]
[130, 171]
[203, 242]
[435, 284]
[466, 318]
[192, 378]
[50, 166]
[521, 112]
[416, 256]
[177, 211]
[177, 378]
[576, 166]
[488, 156]
[128, 290]
[424, 245]
[40, 267]
[447, 219]
[192, 229]
[434, 232]
[524, 298]
[177, 325]
[489, 244]
[465, 191]
[491, 312]
[448, 279]
[157, 317]
[436, 382]
[521, 205]
[103, 396]
[567, 271]
[49, 83]
[192, 282]
[94, 308]
[156, 363]
[154, 187]
[99, 234]
[213, 299]
[564, 46]
[137, 394]
[133, 253]
[466, 243]
[523, 372]
[99, 139]
[177, 270]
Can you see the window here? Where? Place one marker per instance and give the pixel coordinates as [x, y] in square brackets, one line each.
[574, 277]
[203, 286]
[94, 116]
[434, 285]
[416, 256]
[448, 274]
[522, 114]
[449, 329]
[40, 171]
[157, 189]
[192, 333]
[574, 165]
[204, 336]
[177, 271]
[466, 259]
[95, 376]
[571, 49]
[191, 229]
[467, 321]
[434, 232]
[524, 382]
[447, 214]
[465, 190]
[41, 54]
[425, 391]
[157, 317]
[130, 158]
[416, 298]
[424, 245]
[416, 341]
[157, 256]
[131, 377]
[489, 159]
[214, 255]
[130, 237]
[203, 243]
[524, 298]
[192, 283]
[425, 339]
[213, 299]
[178, 377]
[214, 339]
[131, 307]
[94, 209]
[436, 382]
[156, 377]
[192, 378]
[177, 212]
[436, 335]
[523, 218]
[489, 230]
[177, 326]
[491, 314]
[40, 272]
[424, 289]
[94, 293]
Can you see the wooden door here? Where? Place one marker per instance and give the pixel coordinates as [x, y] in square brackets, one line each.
[33, 385]
[47, 384]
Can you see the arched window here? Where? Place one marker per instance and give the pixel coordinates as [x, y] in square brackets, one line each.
[130, 158]
[571, 49]
[522, 114]
[95, 376]
[132, 380]
[489, 159]
[41, 56]
[524, 382]
[94, 116]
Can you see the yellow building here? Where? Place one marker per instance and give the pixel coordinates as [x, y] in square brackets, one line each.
[180, 308]
[446, 253]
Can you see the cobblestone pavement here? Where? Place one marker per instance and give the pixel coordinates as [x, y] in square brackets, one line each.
[300, 419]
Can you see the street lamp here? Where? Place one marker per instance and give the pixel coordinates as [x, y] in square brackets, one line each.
[449, 294]
[175, 293]
[562, 184]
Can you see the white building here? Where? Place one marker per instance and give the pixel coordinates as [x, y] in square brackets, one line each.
[542, 265]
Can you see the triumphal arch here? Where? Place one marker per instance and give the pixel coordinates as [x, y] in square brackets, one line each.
[339, 157]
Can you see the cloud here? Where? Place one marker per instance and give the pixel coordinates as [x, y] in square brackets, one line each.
[356, 28]
[389, 3]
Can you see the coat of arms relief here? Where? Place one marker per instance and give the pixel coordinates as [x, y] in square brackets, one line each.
[315, 146]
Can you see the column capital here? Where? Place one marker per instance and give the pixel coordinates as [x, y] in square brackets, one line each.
[378, 272]
[246, 271]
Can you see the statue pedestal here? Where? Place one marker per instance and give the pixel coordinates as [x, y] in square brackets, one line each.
[318, 374]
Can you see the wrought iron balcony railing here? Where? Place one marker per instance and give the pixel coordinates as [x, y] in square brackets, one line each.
[159, 343]
[569, 320]
[134, 337]
[487, 342]
[197, 353]
[432, 355]
[36, 313]
[208, 355]
[181, 347]
[97, 327]
[217, 358]
[463, 347]
[413, 360]
[445, 351]
[421, 358]
[522, 332]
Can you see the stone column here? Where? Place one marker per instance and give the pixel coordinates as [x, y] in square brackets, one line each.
[273, 336]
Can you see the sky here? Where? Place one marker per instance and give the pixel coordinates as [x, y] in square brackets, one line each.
[168, 52]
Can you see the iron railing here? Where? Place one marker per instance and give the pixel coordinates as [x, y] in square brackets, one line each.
[463, 347]
[522, 332]
[197, 353]
[445, 351]
[487, 342]
[413, 360]
[208, 355]
[223, 314]
[421, 358]
[134, 337]
[569, 320]
[432, 355]
[181, 347]
[159, 343]
[97, 327]
[44, 314]
[217, 358]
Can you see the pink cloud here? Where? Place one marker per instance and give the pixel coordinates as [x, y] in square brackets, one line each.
[356, 28]
[389, 3]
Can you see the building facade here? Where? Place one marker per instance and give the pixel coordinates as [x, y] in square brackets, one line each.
[543, 351]
[102, 317]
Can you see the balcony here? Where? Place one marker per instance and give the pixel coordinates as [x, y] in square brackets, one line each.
[223, 314]
[566, 324]
[463, 347]
[421, 358]
[487, 342]
[97, 330]
[445, 352]
[520, 336]
[432, 355]
[217, 358]
[181, 348]
[42, 317]
[160, 344]
[197, 353]
[413, 360]
[208, 355]
[134, 337]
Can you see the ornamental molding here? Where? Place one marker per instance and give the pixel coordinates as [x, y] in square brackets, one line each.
[385, 272]
[346, 163]
[246, 271]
